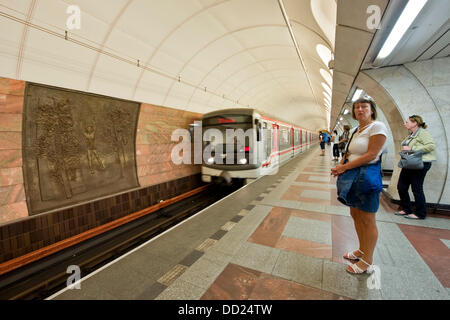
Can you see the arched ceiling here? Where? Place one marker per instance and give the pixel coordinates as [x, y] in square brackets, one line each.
[197, 55]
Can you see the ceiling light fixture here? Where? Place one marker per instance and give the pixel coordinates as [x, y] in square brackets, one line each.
[406, 18]
[327, 88]
[326, 76]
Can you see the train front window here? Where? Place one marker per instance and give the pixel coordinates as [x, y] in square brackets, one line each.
[237, 140]
[227, 119]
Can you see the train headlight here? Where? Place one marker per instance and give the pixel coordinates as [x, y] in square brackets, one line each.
[243, 161]
[210, 160]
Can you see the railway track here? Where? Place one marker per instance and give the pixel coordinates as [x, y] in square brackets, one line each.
[42, 278]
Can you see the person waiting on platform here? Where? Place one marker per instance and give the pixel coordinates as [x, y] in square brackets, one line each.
[360, 185]
[419, 139]
[335, 145]
[343, 139]
[322, 142]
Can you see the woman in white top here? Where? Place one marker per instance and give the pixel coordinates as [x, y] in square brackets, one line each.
[364, 148]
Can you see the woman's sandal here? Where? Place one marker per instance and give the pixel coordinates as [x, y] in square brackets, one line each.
[358, 270]
[351, 255]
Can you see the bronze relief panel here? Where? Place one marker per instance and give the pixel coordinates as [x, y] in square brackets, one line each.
[77, 146]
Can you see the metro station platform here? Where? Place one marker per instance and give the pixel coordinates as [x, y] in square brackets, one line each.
[280, 237]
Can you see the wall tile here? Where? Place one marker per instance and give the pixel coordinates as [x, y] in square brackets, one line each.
[10, 140]
[13, 211]
[11, 194]
[10, 176]
[11, 104]
[11, 122]
[12, 87]
[10, 158]
[441, 71]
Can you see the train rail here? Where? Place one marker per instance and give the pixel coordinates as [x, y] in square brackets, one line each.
[44, 277]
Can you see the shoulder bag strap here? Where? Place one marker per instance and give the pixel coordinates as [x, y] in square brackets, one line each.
[348, 144]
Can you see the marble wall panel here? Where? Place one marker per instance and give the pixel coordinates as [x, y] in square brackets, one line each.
[13, 212]
[154, 146]
[12, 87]
[10, 103]
[10, 140]
[10, 158]
[12, 195]
[434, 75]
[11, 122]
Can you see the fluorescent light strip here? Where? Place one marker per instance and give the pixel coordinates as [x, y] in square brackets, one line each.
[407, 17]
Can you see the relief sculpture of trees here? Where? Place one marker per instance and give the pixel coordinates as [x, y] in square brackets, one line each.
[57, 143]
[118, 126]
[77, 147]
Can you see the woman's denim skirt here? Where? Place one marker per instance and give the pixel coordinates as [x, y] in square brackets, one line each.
[368, 202]
[350, 193]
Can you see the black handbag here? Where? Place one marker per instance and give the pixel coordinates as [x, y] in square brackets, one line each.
[411, 160]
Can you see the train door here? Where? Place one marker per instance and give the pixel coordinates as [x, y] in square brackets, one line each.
[292, 142]
[301, 140]
[308, 136]
[267, 143]
[275, 143]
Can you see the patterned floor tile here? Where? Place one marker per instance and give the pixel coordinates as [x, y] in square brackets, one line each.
[307, 248]
[427, 242]
[269, 231]
[269, 287]
[234, 283]
[307, 229]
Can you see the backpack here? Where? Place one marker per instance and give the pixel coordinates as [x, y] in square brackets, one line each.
[326, 137]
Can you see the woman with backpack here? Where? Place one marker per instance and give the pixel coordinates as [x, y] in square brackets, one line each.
[322, 142]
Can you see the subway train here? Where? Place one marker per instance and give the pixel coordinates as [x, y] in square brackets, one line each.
[245, 144]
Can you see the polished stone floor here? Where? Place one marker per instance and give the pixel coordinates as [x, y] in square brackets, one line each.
[281, 237]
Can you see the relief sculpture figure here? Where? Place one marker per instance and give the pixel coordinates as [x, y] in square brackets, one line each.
[92, 154]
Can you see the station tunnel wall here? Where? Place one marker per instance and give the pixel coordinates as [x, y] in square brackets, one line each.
[158, 177]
